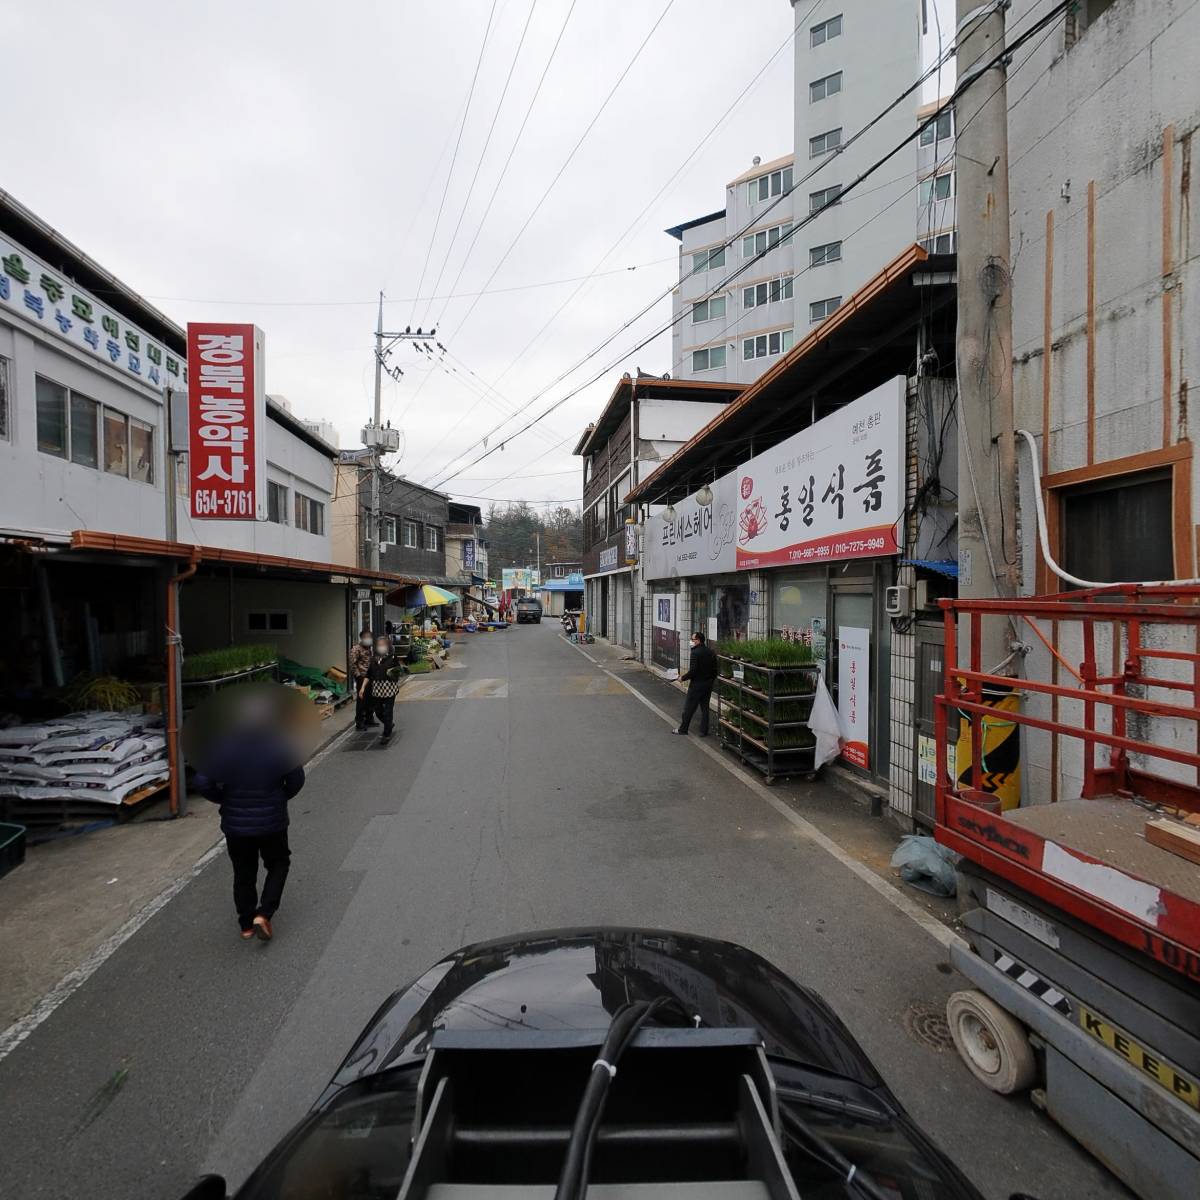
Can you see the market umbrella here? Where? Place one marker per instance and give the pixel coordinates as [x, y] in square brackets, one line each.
[428, 595]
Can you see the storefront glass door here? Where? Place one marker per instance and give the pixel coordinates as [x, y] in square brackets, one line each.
[733, 611]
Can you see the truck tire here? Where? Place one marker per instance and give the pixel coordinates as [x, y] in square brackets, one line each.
[991, 1042]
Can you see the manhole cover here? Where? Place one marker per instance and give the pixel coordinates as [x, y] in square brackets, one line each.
[926, 1023]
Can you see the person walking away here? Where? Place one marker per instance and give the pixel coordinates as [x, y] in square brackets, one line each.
[381, 684]
[360, 660]
[700, 677]
[251, 771]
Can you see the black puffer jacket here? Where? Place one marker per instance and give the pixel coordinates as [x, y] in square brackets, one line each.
[251, 774]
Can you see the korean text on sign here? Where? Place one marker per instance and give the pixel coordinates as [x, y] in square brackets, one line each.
[223, 421]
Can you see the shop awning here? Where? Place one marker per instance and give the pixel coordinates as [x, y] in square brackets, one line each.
[120, 543]
[942, 566]
[869, 339]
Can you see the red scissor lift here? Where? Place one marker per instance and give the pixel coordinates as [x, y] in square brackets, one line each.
[1083, 938]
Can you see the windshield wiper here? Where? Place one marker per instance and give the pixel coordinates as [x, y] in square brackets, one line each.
[835, 1104]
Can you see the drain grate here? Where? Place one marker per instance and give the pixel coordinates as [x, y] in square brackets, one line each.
[926, 1024]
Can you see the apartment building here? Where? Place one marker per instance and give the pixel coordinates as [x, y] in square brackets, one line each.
[816, 248]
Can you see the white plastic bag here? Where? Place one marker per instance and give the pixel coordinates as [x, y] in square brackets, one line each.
[825, 723]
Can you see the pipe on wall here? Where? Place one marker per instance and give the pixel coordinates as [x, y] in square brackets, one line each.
[178, 794]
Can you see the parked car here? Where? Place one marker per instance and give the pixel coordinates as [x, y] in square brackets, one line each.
[481, 1077]
[529, 610]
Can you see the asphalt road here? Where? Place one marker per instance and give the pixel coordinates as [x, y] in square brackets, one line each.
[525, 789]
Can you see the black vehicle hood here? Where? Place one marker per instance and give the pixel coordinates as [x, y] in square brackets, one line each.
[574, 979]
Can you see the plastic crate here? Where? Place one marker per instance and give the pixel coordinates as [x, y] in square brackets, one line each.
[12, 847]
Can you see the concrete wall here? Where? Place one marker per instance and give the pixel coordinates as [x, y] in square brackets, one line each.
[42, 492]
[1090, 116]
[300, 468]
[879, 55]
[319, 635]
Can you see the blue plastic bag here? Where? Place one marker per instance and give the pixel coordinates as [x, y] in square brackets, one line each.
[926, 865]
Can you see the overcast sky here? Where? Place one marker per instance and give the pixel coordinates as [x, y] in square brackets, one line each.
[281, 162]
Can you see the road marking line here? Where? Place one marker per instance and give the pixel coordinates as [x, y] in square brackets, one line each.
[73, 980]
[929, 923]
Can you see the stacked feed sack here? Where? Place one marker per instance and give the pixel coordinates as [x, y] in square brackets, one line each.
[97, 757]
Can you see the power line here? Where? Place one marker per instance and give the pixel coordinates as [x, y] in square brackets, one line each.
[519, 287]
[671, 179]
[454, 157]
[729, 242]
[487, 141]
[507, 163]
[548, 190]
[1009, 49]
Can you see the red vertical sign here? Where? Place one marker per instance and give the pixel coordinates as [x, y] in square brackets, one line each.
[223, 420]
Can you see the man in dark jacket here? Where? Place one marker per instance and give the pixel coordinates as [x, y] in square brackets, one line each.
[700, 677]
[252, 771]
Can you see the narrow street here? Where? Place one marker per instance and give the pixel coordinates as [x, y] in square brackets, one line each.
[527, 788]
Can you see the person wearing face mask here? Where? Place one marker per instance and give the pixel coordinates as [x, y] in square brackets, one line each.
[700, 677]
[360, 660]
[381, 683]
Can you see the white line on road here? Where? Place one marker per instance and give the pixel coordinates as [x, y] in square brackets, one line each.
[73, 980]
[928, 922]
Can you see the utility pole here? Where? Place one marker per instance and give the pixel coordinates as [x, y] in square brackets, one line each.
[987, 536]
[376, 437]
[377, 458]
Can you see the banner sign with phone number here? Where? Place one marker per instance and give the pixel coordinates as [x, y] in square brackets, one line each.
[226, 421]
[833, 491]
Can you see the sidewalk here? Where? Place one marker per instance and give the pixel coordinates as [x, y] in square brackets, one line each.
[831, 805]
[74, 895]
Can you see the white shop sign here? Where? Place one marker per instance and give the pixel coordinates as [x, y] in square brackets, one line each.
[48, 299]
[699, 541]
[833, 491]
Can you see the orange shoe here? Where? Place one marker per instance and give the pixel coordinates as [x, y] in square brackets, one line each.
[247, 934]
[262, 928]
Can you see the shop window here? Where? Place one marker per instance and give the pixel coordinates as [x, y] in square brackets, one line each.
[85, 427]
[310, 514]
[941, 243]
[768, 292]
[5, 432]
[825, 197]
[141, 451]
[823, 143]
[765, 239]
[708, 359]
[274, 621]
[937, 187]
[938, 128]
[798, 610]
[818, 310]
[1118, 530]
[765, 344]
[277, 503]
[773, 184]
[116, 442]
[708, 260]
[410, 535]
[818, 35]
[708, 310]
[432, 537]
[822, 89]
[819, 256]
[51, 418]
